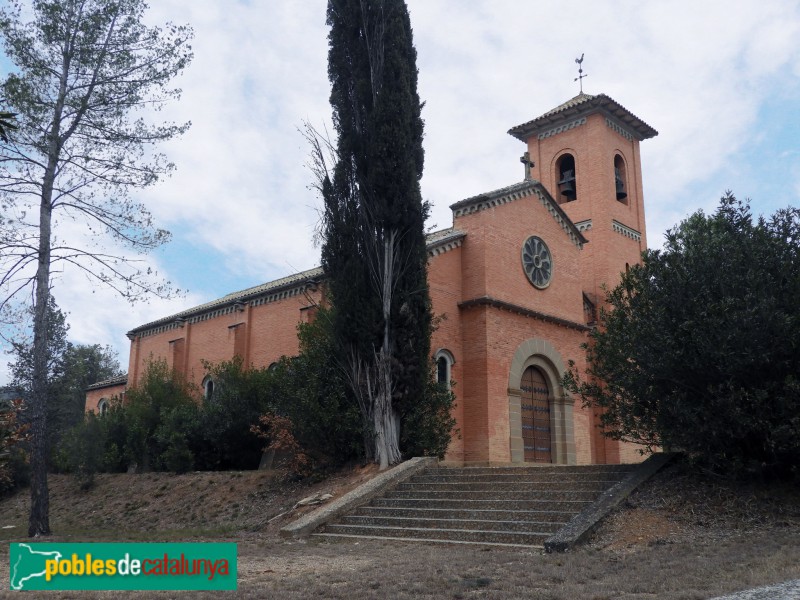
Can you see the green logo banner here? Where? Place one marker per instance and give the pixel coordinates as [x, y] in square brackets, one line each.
[90, 566]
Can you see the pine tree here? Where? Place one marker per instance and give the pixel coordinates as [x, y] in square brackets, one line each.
[373, 233]
[87, 72]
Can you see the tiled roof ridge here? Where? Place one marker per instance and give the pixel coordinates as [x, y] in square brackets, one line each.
[117, 380]
[575, 101]
[581, 105]
[503, 191]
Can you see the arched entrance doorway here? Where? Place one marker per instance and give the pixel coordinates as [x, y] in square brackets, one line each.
[535, 413]
[534, 381]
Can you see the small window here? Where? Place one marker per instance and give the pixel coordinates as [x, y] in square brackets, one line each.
[208, 388]
[102, 407]
[444, 364]
[567, 180]
[620, 179]
[442, 367]
[272, 366]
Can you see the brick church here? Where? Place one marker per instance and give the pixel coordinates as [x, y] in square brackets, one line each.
[518, 277]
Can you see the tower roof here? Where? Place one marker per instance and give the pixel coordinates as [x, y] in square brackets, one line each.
[582, 105]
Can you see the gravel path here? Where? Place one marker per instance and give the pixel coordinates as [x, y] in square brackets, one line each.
[788, 590]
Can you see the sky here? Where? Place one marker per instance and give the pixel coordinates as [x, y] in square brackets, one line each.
[719, 80]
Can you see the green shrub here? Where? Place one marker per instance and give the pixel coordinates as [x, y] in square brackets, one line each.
[429, 425]
[699, 351]
[150, 402]
[81, 450]
[223, 438]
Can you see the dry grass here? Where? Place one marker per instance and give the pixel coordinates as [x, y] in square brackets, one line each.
[679, 537]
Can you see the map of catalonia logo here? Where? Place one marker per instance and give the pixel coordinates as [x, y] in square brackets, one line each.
[96, 566]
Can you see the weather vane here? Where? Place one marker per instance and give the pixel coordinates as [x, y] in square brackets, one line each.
[580, 71]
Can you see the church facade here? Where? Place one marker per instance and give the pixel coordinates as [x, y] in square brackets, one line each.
[518, 280]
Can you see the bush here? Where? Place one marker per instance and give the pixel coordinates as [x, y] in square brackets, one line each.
[310, 391]
[699, 351]
[159, 396]
[82, 449]
[14, 466]
[96, 445]
[174, 437]
[429, 425]
[223, 438]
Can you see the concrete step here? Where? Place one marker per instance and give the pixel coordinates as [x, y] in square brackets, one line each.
[342, 537]
[507, 506]
[531, 538]
[552, 470]
[511, 485]
[539, 516]
[451, 523]
[543, 478]
[500, 493]
[491, 504]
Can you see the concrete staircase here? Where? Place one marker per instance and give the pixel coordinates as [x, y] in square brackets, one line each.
[519, 506]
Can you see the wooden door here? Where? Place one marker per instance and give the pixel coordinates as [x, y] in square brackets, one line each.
[536, 416]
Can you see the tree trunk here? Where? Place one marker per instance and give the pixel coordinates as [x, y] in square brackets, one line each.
[387, 447]
[39, 520]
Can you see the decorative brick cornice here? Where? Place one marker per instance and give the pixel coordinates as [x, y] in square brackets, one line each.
[626, 231]
[493, 199]
[584, 225]
[562, 128]
[282, 295]
[517, 192]
[444, 241]
[270, 292]
[560, 217]
[445, 247]
[619, 129]
[154, 330]
[521, 310]
[212, 314]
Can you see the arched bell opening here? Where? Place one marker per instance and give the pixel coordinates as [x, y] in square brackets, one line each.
[567, 180]
[620, 179]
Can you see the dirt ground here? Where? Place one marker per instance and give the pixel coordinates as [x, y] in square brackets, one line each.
[680, 536]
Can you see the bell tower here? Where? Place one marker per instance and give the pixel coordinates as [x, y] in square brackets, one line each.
[585, 152]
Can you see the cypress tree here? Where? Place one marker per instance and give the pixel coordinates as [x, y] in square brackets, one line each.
[374, 250]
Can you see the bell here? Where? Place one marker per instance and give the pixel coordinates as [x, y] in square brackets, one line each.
[621, 193]
[567, 184]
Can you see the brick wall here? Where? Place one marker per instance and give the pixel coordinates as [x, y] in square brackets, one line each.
[259, 334]
[93, 397]
[444, 282]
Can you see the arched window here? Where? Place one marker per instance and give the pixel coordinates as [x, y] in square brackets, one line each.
[102, 407]
[444, 367]
[567, 180]
[620, 179]
[208, 388]
[272, 366]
